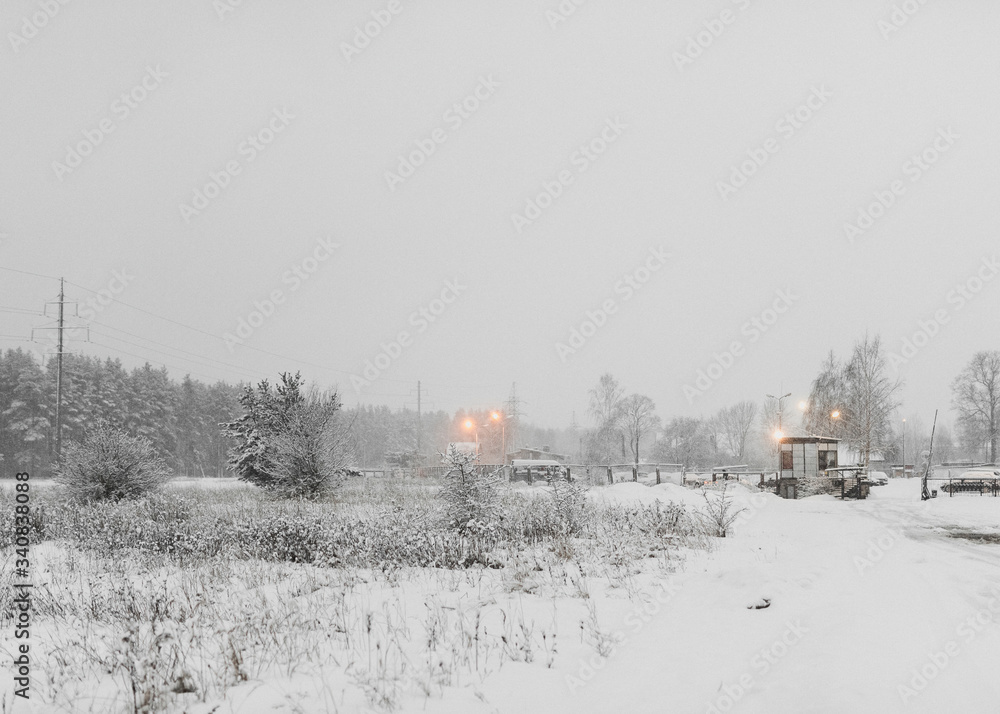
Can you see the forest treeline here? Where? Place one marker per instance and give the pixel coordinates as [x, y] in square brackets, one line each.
[182, 419]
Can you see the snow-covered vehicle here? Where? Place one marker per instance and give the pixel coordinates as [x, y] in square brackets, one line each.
[878, 478]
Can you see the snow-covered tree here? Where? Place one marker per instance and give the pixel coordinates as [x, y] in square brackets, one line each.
[288, 442]
[685, 440]
[827, 397]
[637, 417]
[471, 493]
[607, 439]
[735, 424]
[976, 398]
[870, 399]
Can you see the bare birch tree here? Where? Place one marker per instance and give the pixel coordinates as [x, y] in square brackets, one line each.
[605, 408]
[976, 398]
[736, 423]
[637, 417]
[870, 399]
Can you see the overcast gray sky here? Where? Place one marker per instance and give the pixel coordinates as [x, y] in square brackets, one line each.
[622, 123]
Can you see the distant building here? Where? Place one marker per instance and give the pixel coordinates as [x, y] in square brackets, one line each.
[802, 461]
[803, 456]
[467, 447]
[531, 470]
[529, 454]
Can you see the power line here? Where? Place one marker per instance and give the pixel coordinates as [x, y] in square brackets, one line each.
[205, 363]
[19, 310]
[28, 272]
[146, 359]
[222, 339]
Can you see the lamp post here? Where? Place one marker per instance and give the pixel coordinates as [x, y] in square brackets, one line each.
[497, 417]
[469, 424]
[779, 433]
[904, 448]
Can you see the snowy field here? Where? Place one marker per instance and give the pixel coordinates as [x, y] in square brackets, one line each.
[817, 605]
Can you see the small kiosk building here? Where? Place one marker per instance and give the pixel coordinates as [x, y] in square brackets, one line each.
[804, 459]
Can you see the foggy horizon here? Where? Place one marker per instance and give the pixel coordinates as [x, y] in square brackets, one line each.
[530, 196]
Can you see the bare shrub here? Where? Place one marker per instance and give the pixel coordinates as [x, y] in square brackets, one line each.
[720, 512]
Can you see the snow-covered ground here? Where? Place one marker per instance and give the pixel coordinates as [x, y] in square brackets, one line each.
[814, 605]
[874, 607]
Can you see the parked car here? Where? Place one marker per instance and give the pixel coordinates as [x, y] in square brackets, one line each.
[980, 474]
[878, 478]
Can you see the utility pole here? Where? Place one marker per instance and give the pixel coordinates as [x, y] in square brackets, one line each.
[512, 411]
[419, 430]
[60, 328]
[59, 369]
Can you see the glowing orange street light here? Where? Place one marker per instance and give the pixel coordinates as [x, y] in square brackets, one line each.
[778, 435]
[469, 425]
[503, 435]
[835, 414]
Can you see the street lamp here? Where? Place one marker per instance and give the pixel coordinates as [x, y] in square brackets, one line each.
[497, 417]
[904, 448]
[469, 424]
[780, 401]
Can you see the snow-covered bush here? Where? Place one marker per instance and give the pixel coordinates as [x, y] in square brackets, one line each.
[110, 464]
[569, 498]
[471, 494]
[380, 526]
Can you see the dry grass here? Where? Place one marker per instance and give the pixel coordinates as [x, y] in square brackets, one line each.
[184, 598]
